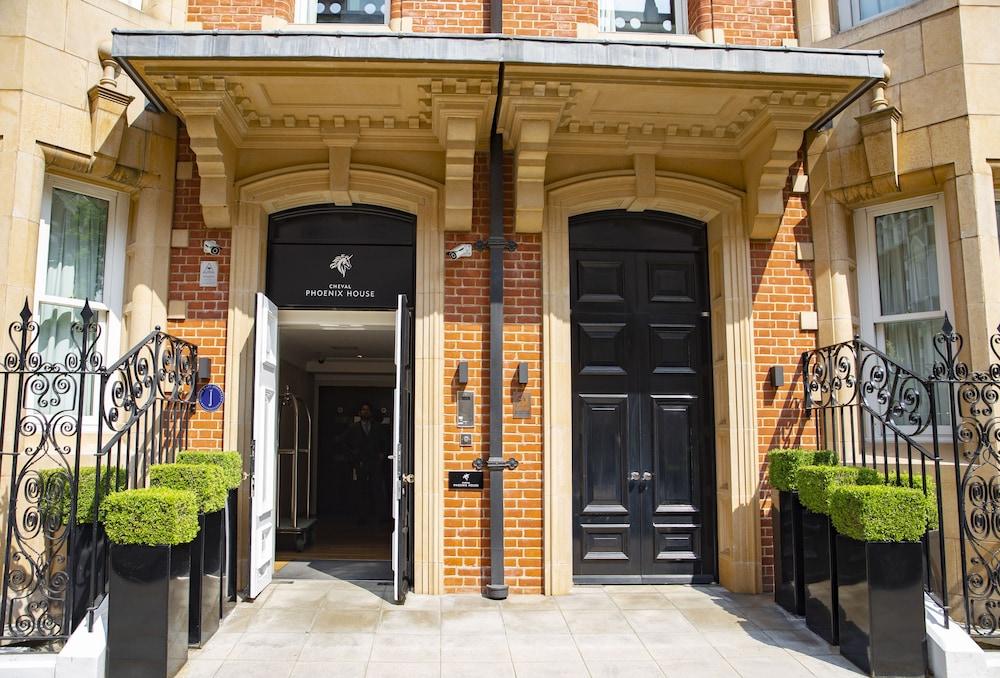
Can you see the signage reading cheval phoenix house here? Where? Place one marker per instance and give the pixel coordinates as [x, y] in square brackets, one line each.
[326, 257]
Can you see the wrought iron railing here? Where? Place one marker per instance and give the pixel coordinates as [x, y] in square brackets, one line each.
[974, 432]
[59, 418]
[875, 412]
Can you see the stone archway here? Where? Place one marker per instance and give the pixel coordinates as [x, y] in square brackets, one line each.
[737, 467]
[265, 194]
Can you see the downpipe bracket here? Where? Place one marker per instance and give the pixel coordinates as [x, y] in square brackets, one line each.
[495, 464]
[509, 245]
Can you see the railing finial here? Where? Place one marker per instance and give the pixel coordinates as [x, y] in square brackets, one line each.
[86, 313]
[26, 311]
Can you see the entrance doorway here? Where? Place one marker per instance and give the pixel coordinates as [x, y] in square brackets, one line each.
[332, 450]
[643, 474]
[341, 365]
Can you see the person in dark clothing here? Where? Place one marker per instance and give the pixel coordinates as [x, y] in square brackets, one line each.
[368, 449]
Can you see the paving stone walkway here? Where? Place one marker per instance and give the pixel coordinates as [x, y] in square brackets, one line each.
[312, 629]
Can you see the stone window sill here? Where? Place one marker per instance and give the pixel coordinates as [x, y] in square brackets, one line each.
[404, 25]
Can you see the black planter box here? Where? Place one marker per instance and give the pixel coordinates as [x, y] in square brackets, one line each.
[148, 593]
[87, 539]
[819, 565]
[881, 607]
[789, 583]
[228, 587]
[207, 561]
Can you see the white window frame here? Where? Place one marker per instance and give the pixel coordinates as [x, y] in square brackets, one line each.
[869, 304]
[849, 13]
[305, 13]
[869, 295]
[606, 19]
[114, 264]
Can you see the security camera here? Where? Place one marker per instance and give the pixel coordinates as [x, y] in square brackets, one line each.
[460, 251]
[211, 247]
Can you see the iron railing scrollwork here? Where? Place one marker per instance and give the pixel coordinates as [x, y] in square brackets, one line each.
[974, 430]
[61, 416]
[875, 412]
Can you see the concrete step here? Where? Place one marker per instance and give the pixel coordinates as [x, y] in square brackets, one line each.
[35, 665]
[993, 663]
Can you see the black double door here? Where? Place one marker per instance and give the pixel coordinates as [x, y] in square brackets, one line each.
[642, 412]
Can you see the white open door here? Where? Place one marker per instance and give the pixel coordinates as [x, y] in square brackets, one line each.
[264, 448]
[402, 471]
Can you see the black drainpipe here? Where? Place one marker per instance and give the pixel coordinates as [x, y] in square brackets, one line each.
[496, 21]
[497, 244]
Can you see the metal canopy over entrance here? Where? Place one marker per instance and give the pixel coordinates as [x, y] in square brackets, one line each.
[642, 390]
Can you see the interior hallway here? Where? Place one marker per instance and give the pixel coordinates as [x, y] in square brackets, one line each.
[312, 629]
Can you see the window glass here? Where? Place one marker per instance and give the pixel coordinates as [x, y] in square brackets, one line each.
[644, 16]
[78, 234]
[907, 262]
[911, 343]
[351, 11]
[906, 296]
[80, 260]
[870, 8]
[56, 341]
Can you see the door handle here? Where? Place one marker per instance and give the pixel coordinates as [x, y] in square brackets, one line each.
[634, 475]
[646, 476]
[407, 478]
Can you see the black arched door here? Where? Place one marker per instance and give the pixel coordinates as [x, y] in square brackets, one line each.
[642, 399]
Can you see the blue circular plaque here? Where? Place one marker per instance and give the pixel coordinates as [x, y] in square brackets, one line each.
[210, 397]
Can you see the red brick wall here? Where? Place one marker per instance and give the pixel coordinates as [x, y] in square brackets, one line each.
[548, 17]
[466, 519]
[782, 288]
[445, 16]
[205, 324]
[745, 22]
[243, 15]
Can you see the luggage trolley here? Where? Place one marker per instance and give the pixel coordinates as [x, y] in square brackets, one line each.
[296, 522]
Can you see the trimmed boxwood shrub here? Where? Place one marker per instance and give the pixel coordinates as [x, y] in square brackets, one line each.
[56, 493]
[816, 483]
[154, 516]
[207, 481]
[878, 512]
[783, 463]
[231, 463]
[916, 480]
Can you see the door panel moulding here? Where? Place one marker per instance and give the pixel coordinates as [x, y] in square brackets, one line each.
[264, 194]
[737, 469]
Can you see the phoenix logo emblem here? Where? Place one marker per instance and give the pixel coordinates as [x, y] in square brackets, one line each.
[342, 263]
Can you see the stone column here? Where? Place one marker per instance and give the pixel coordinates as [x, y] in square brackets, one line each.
[148, 252]
[975, 259]
[831, 226]
[24, 173]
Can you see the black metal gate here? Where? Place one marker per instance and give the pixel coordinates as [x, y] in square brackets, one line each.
[874, 412]
[64, 416]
